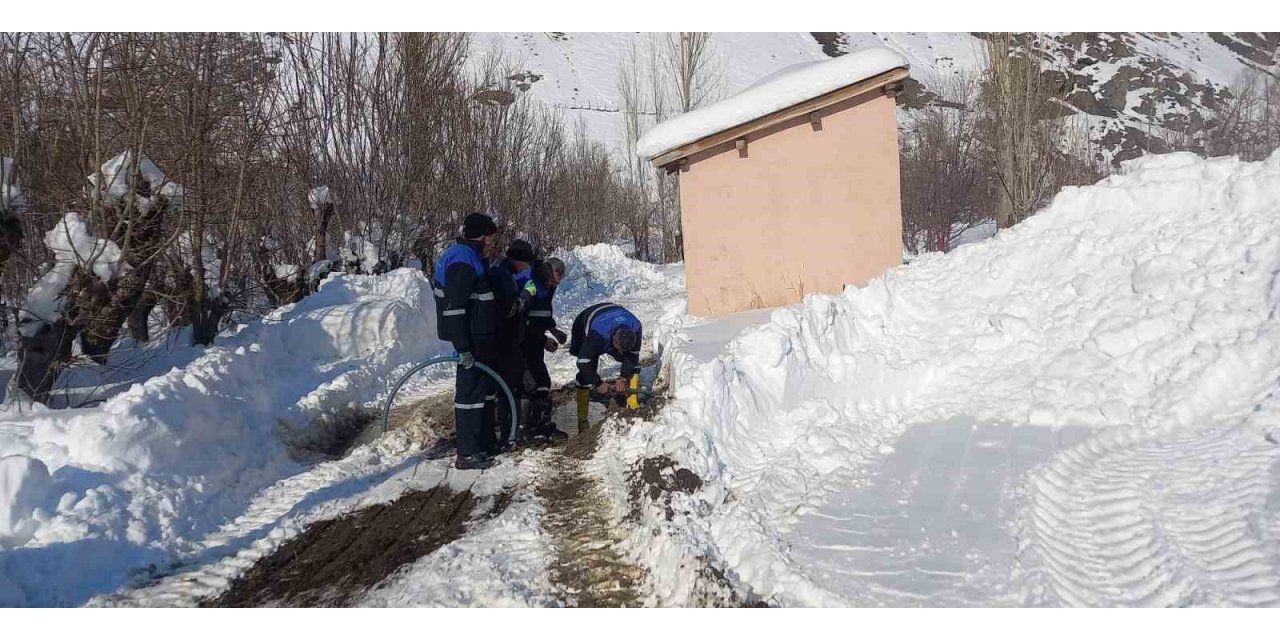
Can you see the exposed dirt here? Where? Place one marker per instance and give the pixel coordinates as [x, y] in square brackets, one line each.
[329, 437]
[657, 480]
[587, 568]
[333, 562]
[429, 424]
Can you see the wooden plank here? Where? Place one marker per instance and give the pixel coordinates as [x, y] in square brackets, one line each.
[815, 120]
[741, 144]
[766, 121]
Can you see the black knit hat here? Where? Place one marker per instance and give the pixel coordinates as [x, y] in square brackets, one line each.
[478, 224]
[521, 250]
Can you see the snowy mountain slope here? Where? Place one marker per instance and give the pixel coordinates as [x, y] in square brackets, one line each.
[1130, 84]
[578, 72]
[1081, 410]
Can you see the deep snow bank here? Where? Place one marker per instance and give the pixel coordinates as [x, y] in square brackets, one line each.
[139, 477]
[1143, 307]
[187, 460]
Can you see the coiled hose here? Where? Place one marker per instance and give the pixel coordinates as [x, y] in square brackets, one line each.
[515, 409]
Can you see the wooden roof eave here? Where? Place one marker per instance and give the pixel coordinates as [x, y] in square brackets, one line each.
[777, 117]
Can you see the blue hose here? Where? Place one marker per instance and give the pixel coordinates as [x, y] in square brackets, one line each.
[515, 409]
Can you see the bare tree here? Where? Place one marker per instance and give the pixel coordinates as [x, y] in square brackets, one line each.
[678, 73]
[942, 172]
[201, 150]
[1023, 123]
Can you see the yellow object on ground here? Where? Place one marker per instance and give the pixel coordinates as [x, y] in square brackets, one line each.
[583, 399]
[633, 402]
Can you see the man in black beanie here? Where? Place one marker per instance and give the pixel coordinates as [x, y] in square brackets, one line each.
[466, 317]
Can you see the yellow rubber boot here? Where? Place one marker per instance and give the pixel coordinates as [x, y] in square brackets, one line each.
[633, 402]
[583, 401]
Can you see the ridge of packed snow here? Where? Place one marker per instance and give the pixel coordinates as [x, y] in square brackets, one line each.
[782, 89]
[1120, 348]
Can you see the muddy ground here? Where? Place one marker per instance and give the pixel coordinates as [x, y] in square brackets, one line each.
[587, 568]
[335, 562]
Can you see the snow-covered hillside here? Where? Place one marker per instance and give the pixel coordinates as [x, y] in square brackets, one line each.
[1129, 84]
[578, 72]
[1083, 410]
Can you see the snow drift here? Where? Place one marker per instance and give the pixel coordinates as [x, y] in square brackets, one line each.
[161, 463]
[189, 457]
[1141, 310]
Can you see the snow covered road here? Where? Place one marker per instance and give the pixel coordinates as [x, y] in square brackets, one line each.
[503, 561]
[1080, 411]
[931, 523]
[1174, 520]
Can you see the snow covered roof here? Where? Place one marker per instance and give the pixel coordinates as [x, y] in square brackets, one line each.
[788, 87]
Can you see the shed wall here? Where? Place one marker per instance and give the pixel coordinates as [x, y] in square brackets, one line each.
[806, 211]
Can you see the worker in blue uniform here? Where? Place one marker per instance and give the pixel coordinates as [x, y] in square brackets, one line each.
[538, 280]
[605, 329]
[466, 316]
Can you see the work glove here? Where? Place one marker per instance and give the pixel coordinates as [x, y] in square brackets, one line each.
[550, 346]
[560, 336]
[467, 359]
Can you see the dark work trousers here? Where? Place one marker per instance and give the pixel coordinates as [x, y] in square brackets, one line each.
[473, 392]
[510, 365]
[540, 395]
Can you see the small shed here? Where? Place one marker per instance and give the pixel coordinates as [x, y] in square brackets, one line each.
[789, 187]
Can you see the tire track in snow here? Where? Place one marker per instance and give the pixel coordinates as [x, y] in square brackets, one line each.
[1130, 519]
[927, 525]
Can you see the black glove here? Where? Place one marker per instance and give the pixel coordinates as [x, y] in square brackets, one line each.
[467, 359]
[560, 336]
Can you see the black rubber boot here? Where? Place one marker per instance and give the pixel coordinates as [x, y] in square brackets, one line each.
[554, 434]
[475, 461]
